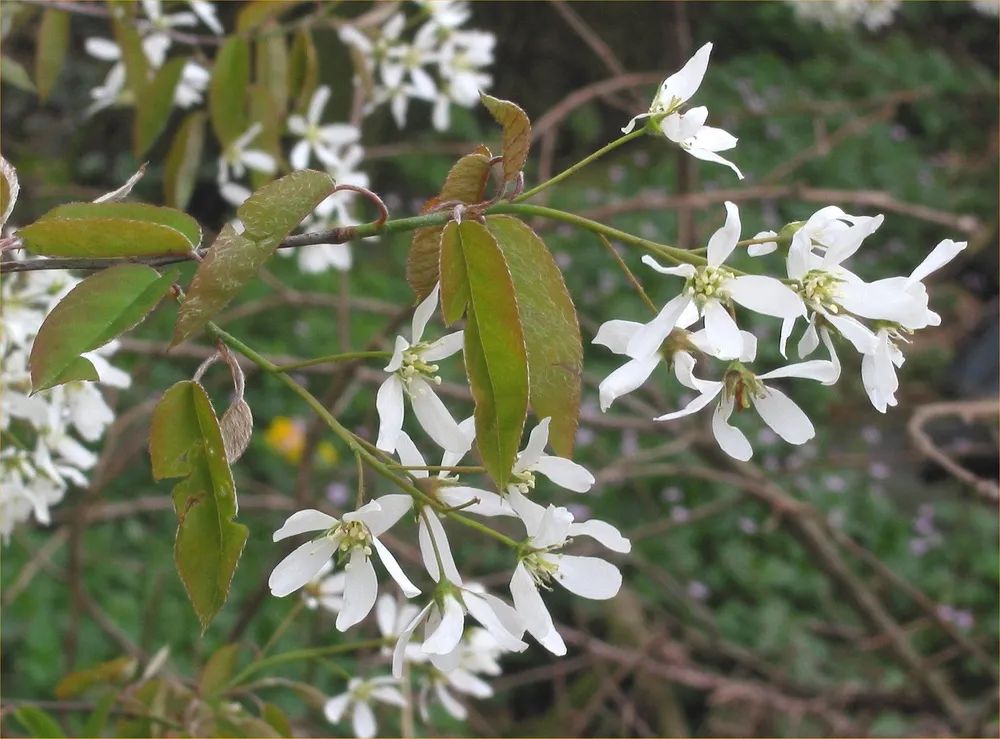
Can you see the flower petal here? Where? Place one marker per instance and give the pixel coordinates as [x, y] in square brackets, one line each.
[490, 504]
[626, 378]
[565, 473]
[814, 369]
[721, 331]
[723, 241]
[423, 314]
[449, 631]
[300, 566]
[616, 334]
[438, 546]
[695, 405]
[588, 577]
[444, 347]
[395, 571]
[399, 651]
[479, 609]
[306, 520]
[389, 405]
[603, 532]
[334, 708]
[531, 608]
[766, 295]
[784, 417]
[384, 516]
[435, 418]
[360, 590]
[363, 721]
[940, 255]
[537, 440]
[684, 83]
[647, 340]
[681, 270]
[731, 439]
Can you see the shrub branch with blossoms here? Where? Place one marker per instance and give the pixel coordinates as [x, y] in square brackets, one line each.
[486, 288]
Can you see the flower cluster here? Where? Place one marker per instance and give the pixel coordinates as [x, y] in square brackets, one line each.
[156, 42]
[395, 69]
[42, 450]
[872, 14]
[434, 641]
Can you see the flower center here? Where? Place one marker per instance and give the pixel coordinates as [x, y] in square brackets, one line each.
[414, 366]
[541, 570]
[354, 535]
[819, 290]
[741, 385]
[710, 282]
[524, 481]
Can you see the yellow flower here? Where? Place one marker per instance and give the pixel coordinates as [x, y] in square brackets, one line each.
[287, 436]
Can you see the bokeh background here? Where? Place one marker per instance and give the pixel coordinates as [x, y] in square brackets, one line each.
[810, 594]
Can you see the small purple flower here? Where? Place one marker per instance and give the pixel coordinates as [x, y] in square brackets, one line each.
[964, 620]
[697, 590]
[564, 260]
[835, 483]
[766, 437]
[680, 514]
[672, 494]
[871, 435]
[594, 195]
[772, 463]
[585, 436]
[879, 470]
[748, 525]
[648, 230]
[580, 511]
[338, 494]
[919, 547]
[640, 158]
[617, 173]
[836, 518]
[630, 442]
[564, 230]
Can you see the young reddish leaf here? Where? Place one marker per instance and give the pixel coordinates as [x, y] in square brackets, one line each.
[303, 69]
[495, 357]
[218, 670]
[116, 671]
[551, 329]
[183, 160]
[227, 90]
[10, 187]
[14, 73]
[185, 441]
[466, 182]
[268, 216]
[272, 67]
[174, 219]
[454, 278]
[53, 40]
[516, 133]
[155, 105]
[133, 57]
[103, 306]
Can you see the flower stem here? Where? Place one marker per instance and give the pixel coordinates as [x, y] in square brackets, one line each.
[333, 358]
[282, 627]
[299, 654]
[580, 165]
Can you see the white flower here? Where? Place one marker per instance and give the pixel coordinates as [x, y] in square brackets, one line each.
[445, 615]
[190, 90]
[449, 491]
[843, 14]
[358, 701]
[205, 11]
[24, 492]
[741, 389]
[878, 369]
[549, 529]
[352, 538]
[412, 376]
[326, 589]
[688, 129]
[237, 159]
[711, 288]
[326, 141]
[479, 652]
[463, 55]
[563, 472]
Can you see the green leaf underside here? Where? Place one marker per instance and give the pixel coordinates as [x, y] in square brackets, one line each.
[53, 40]
[154, 108]
[303, 69]
[268, 216]
[551, 329]
[516, 133]
[116, 671]
[185, 440]
[454, 279]
[175, 219]
[227, 90]
[104, 305]
[14, 73]
[182, 162]
[495, 357]
[466, 182]
[272, 67]
[254, 14]
[133, 56]
[38, 723]
[102, 238]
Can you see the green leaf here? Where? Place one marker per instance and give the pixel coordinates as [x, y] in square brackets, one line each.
[272, 67]
[218, 670]
[175, 220]
[183, 160]
[268, 216]
[98, 719]
[551, 329]
[14, 73]
[277, 719]
[53, 41]
[75, 684]
[38, 723]
[466, 182]
[101, 307]
[303, 69]
[263, 111]
[155, 104]
[256, 13]
[227, 90]
[133, 56]
[185, 441]
[495, 356]
[516, 133]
